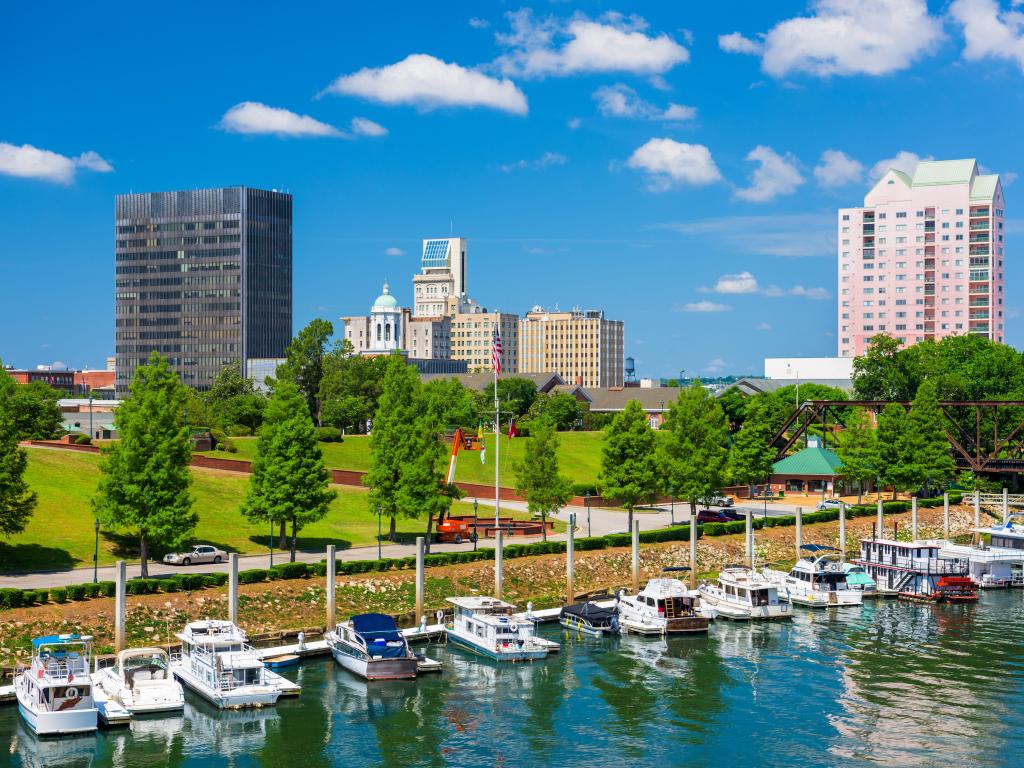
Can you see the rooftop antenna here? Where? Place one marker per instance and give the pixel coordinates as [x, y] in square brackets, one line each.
[451, 226]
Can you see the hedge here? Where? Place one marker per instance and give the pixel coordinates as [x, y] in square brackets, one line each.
[252, 576]
[76, 592]
[59, 595]
[289, 571]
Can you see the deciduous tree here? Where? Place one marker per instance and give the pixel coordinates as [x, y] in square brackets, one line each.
[537, 475]
[31, 411]
[752, 455]
[304, 362]
[629, 463]
[858, 450]
[932, 459]
[895, 449]
[694, 449]
[17, 500]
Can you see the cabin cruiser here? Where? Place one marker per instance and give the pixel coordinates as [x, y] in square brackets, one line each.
[371, 646]
[996, 556]
[141, 681]
[55, 692]
[914, 570]
[664, 606]
[487, 626]
[740, 593]
[817, 580]
[590, 619]
[217, 662]
[858, 578]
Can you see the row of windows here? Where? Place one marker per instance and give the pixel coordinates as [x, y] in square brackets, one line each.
[214, 253]
[163, 242]
[176, 226]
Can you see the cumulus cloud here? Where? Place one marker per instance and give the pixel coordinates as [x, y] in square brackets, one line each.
[989, 31]
[744, 282]
[620, 100]
[735, 42]
[845, 37]
[762, 327]
[902, 161]
[774, 291]
[574, 123]
[428, 83]
[705, 306]
[393, 251]
[837, 169]
[775, 175]
[715, 365]
[28, 162]
[361, 126]
[558, 47]
[255, 118]
[668, 162]
[544, 161]
[478, 23]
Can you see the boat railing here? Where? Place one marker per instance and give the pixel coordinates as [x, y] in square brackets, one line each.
[55, 670]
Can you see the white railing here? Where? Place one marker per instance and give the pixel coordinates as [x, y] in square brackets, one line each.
[1013, 499]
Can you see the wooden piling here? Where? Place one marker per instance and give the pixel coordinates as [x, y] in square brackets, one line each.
[945, 516]
[693, 550]
[880, 523]
[842, 530]
[420, 578]
[750, 539]
[799, 531]
[1006, 505]
[977, 509]
[913, 518]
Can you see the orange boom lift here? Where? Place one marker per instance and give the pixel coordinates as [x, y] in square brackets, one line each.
[457, 530]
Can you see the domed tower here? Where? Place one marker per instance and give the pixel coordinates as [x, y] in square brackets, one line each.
[385, 323]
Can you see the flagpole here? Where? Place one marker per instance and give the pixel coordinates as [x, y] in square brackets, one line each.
[497, 442]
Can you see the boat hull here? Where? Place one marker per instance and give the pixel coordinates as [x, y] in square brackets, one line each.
[57, 723]
[587, 629]
[243, 697]
[151, 700]
[726, 610]
[533, 654]
[376, 669]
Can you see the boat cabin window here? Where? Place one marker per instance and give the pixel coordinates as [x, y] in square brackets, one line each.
[759, 596]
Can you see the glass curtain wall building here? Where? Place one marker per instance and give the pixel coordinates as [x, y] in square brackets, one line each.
[203, 277]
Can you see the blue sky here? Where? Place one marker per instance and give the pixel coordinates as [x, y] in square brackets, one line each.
[677, 165]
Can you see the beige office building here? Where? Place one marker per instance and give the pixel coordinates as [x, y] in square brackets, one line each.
[580, 346]
[471, 340]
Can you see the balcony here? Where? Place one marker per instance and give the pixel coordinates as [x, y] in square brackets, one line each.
[868, 253]
[979, 250]
[930, 237]
[979, 210]
[979, 261]
[929, 226]
[979, 328]
[869, 229]
[979, 315]
[979, 225]
[929, 263]
[978, 302]
[979, 238]
[929, 290]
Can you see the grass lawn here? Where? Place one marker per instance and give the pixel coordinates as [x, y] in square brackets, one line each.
[61, 534]
[580, 456]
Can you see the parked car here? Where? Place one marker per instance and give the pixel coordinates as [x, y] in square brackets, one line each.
[733, 514]
[829, 504]
[203, 553]
[713, 516]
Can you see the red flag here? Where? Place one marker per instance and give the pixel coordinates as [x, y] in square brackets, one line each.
[512, 431]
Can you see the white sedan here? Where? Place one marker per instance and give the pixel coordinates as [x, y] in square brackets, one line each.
[829, 504]
[203, 553]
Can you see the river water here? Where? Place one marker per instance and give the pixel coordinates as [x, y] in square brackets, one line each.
[888, 683]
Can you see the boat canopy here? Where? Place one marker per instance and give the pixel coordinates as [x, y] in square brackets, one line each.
[380, 633]
[57, 640]
[592, 613]
[818, 548]
[675, 568]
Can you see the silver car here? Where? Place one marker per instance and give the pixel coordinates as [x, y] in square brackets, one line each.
[203, 553]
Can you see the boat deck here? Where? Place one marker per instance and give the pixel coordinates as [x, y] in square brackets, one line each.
[111, 713]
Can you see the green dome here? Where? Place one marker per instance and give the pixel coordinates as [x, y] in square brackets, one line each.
[385, 301]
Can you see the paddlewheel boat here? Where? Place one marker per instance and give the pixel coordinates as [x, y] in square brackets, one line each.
[914, 570]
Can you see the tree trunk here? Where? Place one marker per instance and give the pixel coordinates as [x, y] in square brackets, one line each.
[282, 534]
[895, 493]
[430, 534]
[860, 492]
[392, 535]
[293, 540]
[544, 525]
[144, 557]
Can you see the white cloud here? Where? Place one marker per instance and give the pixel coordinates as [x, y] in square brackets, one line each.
[544, 161]
[478, 23]
[775, 175]
[762, 327]
[809, 293]
[716, 365]
[668, 162]
[679, 113]
[845, 37]
[903, 161]
[393, 251]
[989, 31]
[558, 47]
[361, 126]
[793, 235]
[574, 123]
[428, 83]
[838, 169]
[620, 100]
[744, 282]
[735, 42]
[705, 306]
[256, 118]
[28, 162]
[1008, 178]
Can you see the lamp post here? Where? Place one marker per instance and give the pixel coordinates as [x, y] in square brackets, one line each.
[586, 502]
[271, 542]
[672, 504]
[476, 536]
[379, 556]
[96, 550]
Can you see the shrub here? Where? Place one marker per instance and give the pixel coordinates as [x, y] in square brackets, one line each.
[329, 435]
[252, 576]
[583, 489]
[215, 579]
[108, 588]
[83, 440]
[319, 569]
[217, 435]
[11, 598]
[42, 596]
[59, 595]
[227, 446]
[28, 596]
[173, 584]
[238, 430]
[92, 589]
[142, 586]
[76, 592]
[289, 571]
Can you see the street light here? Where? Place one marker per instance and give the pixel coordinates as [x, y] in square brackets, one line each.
[379, 556]
[672, 506]
[586, 502]
[476, 505]
[96, 551]
[271, 542]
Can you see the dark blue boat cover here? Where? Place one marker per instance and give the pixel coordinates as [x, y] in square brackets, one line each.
[377, 630]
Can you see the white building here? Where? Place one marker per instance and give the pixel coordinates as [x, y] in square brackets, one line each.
[442, 275]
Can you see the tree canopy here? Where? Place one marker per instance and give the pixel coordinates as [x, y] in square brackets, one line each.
[629, 463]
[17, 500]
[752, 455]
[30, 411]
[304, 362]
[537, 476]
[233, 400]
[695, 446]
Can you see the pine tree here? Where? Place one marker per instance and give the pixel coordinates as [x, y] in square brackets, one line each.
[289, 482]
[629, 463]
[932, 459]
[537, 476]
[858, 450]
[304, 363]
[695, 449]
[895, 449]
[17, 500]
[752, 455]
[145, 477]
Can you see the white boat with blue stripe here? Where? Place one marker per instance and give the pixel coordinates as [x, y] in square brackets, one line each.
[487, 626]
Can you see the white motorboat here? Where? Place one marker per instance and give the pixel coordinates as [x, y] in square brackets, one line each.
[740, 593]
[141, 681]
[817, 580]
[664, 606]
[996, 555]
[372, 646]
[55, 692]
[486, 625]
[217, 662]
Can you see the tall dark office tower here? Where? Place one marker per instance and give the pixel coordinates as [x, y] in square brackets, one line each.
[203, 277]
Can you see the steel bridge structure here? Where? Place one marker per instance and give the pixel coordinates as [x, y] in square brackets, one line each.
[984, 435]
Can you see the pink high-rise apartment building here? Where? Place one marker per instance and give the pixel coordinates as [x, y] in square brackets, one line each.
[923, 258]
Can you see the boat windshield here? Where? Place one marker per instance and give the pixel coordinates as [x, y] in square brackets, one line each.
[140, 668]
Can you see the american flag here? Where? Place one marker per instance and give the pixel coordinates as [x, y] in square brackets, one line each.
[496, 350]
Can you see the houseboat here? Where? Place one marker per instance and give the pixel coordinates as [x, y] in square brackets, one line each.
[371, 646]
[141, 681]
[995, 555]
[742, 594]
[217, 662]
[590, 619]
[664, 606]
[817, 580]
[914, 570]
[55, 691]
[486, 625]
[857, 578]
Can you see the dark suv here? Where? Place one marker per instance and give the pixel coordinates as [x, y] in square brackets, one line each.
[713, 516]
